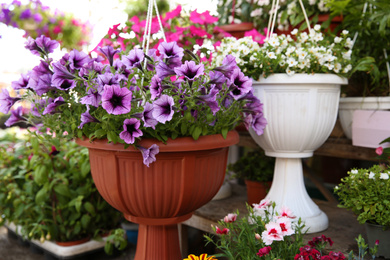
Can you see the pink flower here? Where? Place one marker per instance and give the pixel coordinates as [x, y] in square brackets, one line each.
[264, 251]
[113, 30]
[376, 242]
[230, 218]
[196, 31]
[221, 232]
[286, 212]
[285, 225]
[256, 36]
[272, 233]
[264, 203]
[57, 29]
[202, 18]
[174, 13]
[379, 150]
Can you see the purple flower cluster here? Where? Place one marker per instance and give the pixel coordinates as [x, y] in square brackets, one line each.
[159, 94]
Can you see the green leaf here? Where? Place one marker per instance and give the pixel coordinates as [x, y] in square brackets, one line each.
[224, 132]
[63, 190]
[183, 128]
[85, 220]
[41, 195]
[112, 137]
[100, 132]
[41, 174]
[196, 133]
[90, 208]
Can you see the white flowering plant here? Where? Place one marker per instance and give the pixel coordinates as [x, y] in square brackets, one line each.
[366, 192]
[297, 53]
[264, 232]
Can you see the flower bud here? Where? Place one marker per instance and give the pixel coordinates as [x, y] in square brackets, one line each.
[257, 236]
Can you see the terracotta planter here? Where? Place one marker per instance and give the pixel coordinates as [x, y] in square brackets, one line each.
[256, 191]
[237, 29]
[186, 175]
[73, 243]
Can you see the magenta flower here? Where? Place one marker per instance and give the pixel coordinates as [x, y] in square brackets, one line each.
[116, 100]
[6, 102]
[173, 14]
[25, 14]
[264, 251]
[149, 154]
[87, 118]
[379, 150]
[16, 116]
[256, 36]
[163, 109]
[224, 231]
[130, 130]
[202, 18]
[190, 70]
[50, 109]
[147, 116]
[134, 59]
[109, 52]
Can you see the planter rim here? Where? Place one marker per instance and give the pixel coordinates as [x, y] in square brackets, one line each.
[365, 103]
[303, 78]
[207, 142]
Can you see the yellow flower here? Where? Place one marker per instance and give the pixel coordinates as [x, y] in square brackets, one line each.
[201, 257]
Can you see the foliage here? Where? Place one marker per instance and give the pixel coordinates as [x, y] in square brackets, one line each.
[37, 19]
[161, 95]
[254, 166]
[289, 13]
[263, 232]
[370, 26]
[366, 193]
[309, 53]
[47, 190]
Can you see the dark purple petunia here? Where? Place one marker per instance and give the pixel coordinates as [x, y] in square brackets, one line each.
[163, 109]
[147, 116]
[38, 105]
[253, 104]
[109, 52]
[22, 82]
[61, 74]
[116, 100]
[229, 64]
[211, 100]
[94, 97]
[16, 116]
[26, 14]
[41, 84]
[240, 84]
[77, 59]
[259, 123]
[51, 108]
[93, 66]
[152, 53]
[170, 50]
[134, 59]
[130, 130]
[190, 70]
[87, 118]
[6, 102]
[108, 79]
[163, 70]
[149, 154]
[156, 88]
[217, 78]
[42, 45]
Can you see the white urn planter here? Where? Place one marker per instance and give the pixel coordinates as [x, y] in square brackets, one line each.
[301, 111]
[348, 105]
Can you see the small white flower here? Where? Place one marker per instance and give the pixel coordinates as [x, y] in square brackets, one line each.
[337, 39]
[345, 32]
[384, 176]
[354, 171]
[294, 32]
[271, 55]
[291, 62]
[371, 175]
[290, 72]
[317, 27]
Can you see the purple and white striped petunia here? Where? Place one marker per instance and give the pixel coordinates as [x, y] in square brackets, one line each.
[116, 100]
[130, 130]
[190, 70]
[147, 116]
[149, 154]
[50, 108]
[163, 109]
[87, 118]
[16, 116]
[6, 101]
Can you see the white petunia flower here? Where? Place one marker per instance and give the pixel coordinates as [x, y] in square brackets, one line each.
[271, 55]
[371, 175]
[290, 72]
[294, 32]
[337, 39]
[291, 62]
[345, 32]
[317, 27]
[384, 176]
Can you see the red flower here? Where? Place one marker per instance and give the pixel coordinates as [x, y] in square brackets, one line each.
[264, 251]
[221, 232]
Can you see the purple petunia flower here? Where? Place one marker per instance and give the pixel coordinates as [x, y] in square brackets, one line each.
[149, 154]
[190, 70]
[130, 130]
[22, 82]
[211, 100]
[147, 116]
[42, 45]
[37, 17]
[229, 64]
[16, 116]
[163, 70]
[258, 123]
[87, 118]
[6, 102]
[93, 98]
[170, 50]
[41, 84]
[50, 108]
[156, 88]
[26, 14]
[38, 105]
[77, 59]
[163, 109]
[61, 74]
[217, 78]
[134, 59]
[108, 79]
[152, 54]
[116, 100]
[109, 52]
[240, 83]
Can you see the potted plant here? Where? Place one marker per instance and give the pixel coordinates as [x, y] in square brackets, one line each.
[368, 88]
[257, 171]
[48, 193]
[157, 125]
